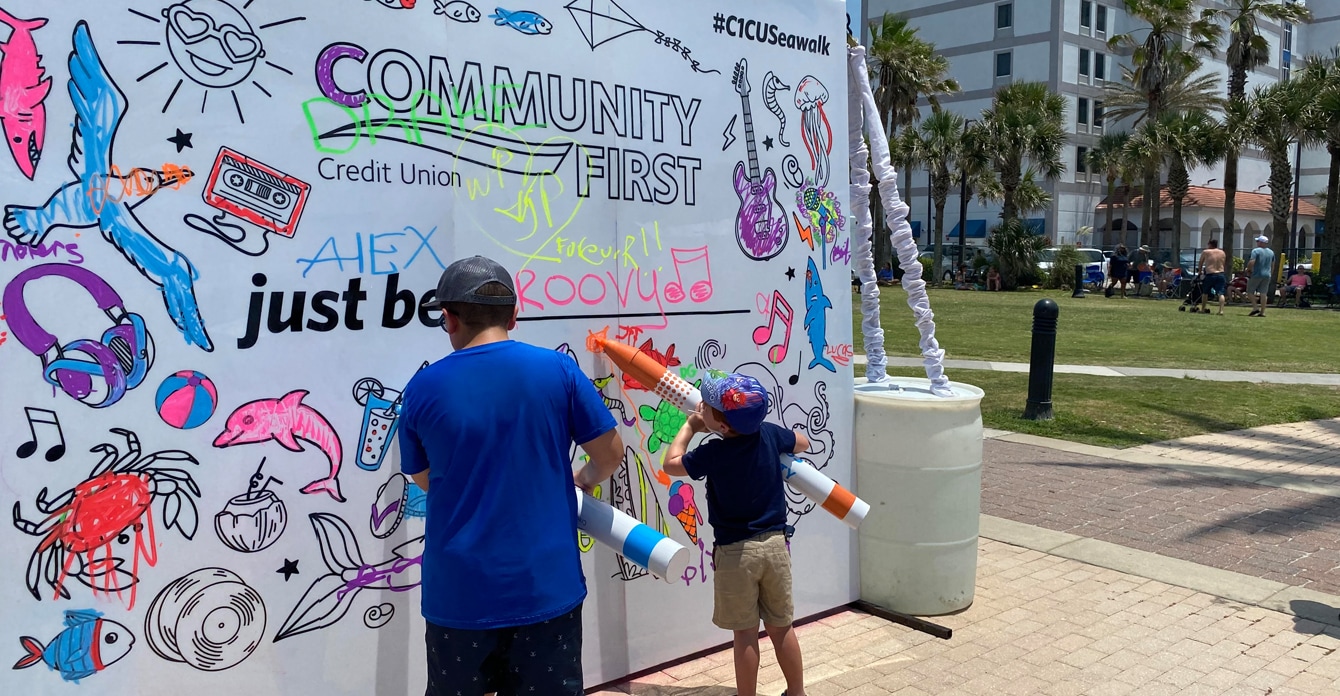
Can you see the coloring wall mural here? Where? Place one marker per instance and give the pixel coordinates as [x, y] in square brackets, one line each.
[219, 220]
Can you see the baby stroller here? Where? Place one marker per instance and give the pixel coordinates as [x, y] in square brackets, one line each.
[1193, 295]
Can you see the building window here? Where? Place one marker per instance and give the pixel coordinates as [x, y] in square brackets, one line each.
[1097, 116]
[1100, 21]
[1004, 64]
[1084, 65]
[1005, 15]
[1085, 17]
[1286, 51]
[1099, 68]
[1082, 115]
[1081, 163]
[1287, 39]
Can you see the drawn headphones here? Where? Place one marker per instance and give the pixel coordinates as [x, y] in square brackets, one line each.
[120, 359]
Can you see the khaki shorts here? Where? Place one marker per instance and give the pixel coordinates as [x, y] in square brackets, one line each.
[753, 583]
[1259, 286]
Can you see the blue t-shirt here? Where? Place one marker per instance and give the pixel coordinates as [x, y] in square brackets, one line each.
[744, 482]
[1265, 261]
[494, 425]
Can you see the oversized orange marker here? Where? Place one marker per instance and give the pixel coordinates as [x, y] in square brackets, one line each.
[838, 501]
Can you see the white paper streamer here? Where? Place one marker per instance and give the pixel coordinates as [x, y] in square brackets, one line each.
[895, 216]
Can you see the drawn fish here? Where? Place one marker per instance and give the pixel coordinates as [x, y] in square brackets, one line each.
[524, 21]
[331, 595]
[88, 645]
[817, 305]
[287, 420]
[459, 10]
[23, 89]
[666, 359]
[397, 4]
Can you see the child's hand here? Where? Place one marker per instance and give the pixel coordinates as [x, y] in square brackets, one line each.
[696, 423]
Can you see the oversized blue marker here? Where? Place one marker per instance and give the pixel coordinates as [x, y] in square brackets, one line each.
[640, 544]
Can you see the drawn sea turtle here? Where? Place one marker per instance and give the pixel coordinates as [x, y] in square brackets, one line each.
[665, 420]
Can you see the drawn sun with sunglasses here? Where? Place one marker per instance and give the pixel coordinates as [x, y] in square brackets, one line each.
[214, 46]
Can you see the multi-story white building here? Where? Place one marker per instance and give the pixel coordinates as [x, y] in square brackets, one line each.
[1063, 43]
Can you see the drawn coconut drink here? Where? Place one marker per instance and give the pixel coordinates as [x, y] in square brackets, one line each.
[254, 520]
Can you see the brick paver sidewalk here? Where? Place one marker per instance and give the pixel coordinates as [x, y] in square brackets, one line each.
[1309, 450]
[1262, 531]
[1041, 624]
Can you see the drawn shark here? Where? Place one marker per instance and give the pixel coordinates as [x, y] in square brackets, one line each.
[287, 420]
[331, 595]
[817, 305]
[23, 91]
[93, 200]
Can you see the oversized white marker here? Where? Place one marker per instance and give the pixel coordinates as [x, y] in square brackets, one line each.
[840, 502]
[637, 542]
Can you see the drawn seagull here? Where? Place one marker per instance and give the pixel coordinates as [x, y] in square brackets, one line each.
[86, 202]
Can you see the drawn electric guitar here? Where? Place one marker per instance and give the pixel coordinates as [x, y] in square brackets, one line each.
[761, 226]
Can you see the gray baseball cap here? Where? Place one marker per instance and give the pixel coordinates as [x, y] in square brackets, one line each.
[463, 279]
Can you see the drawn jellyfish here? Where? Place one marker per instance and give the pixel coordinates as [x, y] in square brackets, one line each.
[815, 130]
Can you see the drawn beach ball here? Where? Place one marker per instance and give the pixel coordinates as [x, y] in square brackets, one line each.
[186, 400]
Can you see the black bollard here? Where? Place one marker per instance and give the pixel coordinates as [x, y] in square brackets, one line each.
[1079, 281]
[1042, 361]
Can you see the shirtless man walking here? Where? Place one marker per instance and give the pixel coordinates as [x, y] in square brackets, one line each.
[1212, 265]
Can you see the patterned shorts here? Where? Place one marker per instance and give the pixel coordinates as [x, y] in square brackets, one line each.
[541, 658]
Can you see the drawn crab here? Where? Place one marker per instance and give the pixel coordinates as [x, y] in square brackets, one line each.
[84, 524]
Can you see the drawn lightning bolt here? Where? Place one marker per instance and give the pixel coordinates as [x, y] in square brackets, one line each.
[729, 133]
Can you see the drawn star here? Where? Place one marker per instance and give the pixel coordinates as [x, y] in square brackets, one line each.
[181, 140]
[790, 274]
[289, 570]
[767, 142]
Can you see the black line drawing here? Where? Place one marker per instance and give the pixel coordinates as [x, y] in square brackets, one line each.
[761, 227]
[87, 645]
[100, 107]
[395, 4]
[210, 619]
[476, 146]
[388, 508]
[791, 171]
[110, 508]
[287, 420]
[213, 45]
[381, 420]
[771, 86]
[252, 521]
[289, 569]
[729, 133]
[255, 192]
[524, 21]
[815, 130]
[602, 21]
[182, 140]
[626, 490]
[330, 596]
[459, 10]
[379, 615]
[47, 420]
[710, 351]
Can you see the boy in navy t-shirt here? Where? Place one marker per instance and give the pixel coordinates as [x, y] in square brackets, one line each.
[747, 508]
[486, 431]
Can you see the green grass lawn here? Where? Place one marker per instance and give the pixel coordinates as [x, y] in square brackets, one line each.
[1115, 332]
[1129, 411]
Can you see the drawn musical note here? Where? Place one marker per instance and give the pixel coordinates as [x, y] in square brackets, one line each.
[699, 291]
[763, 334]
[48, 420]
[800, 361]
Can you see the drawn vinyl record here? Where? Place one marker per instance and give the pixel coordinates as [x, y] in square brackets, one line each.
[389, 507]
[210, 619]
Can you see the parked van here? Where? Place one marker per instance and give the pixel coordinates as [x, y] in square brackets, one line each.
[1095, 263]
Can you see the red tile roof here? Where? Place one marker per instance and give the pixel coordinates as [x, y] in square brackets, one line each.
[1212, 198]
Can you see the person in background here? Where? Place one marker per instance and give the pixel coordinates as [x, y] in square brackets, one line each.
[1298, 283]
[487, 431]
[1167, 278]
[1261, 272]
[1211, 264]
[961, 278]
[993, 279]
[1118, 270]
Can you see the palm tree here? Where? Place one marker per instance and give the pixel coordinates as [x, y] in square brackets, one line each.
[1171, 47]
[1189, 140]
[1247, 51]
[905, 68]
[1108, 157]
[1145, 154]
[1283, 114]
[1321, 78]
[936, 144]
[1025, 124]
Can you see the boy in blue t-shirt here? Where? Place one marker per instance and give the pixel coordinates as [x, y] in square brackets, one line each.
[486, 431]
[747, 508]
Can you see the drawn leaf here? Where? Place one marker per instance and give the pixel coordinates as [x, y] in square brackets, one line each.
[324, 603]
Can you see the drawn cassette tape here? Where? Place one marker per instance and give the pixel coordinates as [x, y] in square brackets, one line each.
[256, 192]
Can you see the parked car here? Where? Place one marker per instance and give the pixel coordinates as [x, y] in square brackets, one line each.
[1095, 262]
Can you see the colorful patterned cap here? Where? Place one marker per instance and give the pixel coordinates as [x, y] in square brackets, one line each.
[740, 397]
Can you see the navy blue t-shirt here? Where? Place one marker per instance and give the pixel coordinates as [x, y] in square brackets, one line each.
[744, 482]
[493, 425]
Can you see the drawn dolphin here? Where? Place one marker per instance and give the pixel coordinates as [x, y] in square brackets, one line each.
[287, 420]
[817, 305]
[23, 89]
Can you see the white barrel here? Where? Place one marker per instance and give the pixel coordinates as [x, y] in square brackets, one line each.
[919, 465]
[639, 543]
